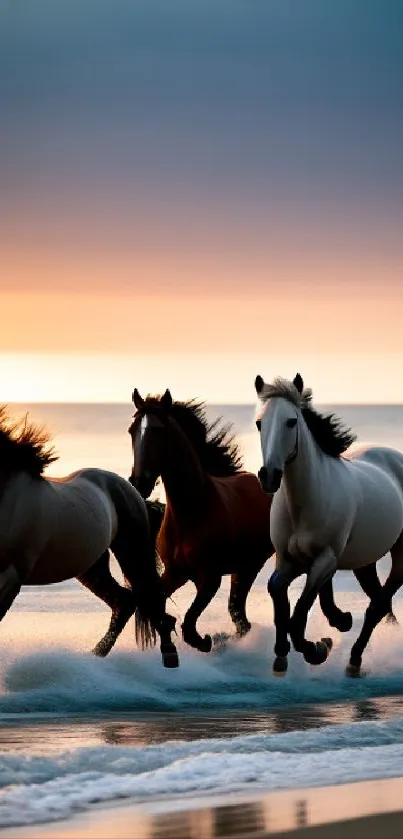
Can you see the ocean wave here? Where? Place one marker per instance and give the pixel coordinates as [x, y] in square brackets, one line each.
[39, 789]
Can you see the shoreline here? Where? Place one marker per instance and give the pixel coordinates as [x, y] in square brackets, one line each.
[369, 809]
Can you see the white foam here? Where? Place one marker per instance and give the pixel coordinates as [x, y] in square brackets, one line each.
[239, 677]
[42, 789]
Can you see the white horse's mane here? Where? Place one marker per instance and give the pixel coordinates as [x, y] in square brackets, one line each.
[286, 389]
[332, 436]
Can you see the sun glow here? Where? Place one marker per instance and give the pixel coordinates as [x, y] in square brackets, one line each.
[219, 378]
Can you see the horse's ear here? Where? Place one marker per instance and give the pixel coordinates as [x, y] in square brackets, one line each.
[138, 401]
[166, 400]
[259, 384]
[298, 382]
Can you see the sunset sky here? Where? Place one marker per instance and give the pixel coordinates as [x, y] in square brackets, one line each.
[195, 191]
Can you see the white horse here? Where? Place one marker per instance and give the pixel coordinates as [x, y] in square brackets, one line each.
[328, 512]
[56, 529]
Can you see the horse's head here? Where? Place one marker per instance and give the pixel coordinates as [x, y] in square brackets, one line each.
[277, 423]
[148, 432]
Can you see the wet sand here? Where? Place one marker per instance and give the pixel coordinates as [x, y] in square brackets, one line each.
[371, 810]
[363, 809]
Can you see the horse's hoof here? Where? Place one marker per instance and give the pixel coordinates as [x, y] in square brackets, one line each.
[318, 653]
[323, 648]
[353, 671]
[206, 644]
[170, 659]
[344, 622]
[280, 665]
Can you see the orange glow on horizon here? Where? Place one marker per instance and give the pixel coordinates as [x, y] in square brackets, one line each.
[335, 378]
[294, 323]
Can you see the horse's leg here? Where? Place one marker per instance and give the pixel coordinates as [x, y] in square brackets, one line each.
[241, 584]
[131, 549]
[277, 587]
[100, 581]
[379, 607]
[207, 586]
[10, 585]
[320, 572]
[372, 586]
[342, 621]
[172, 579]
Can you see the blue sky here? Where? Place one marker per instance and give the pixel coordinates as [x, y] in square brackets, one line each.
[175, 174]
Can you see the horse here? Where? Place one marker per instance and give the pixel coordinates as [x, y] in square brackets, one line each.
[329, 511]
[217, 515]
[54, 529]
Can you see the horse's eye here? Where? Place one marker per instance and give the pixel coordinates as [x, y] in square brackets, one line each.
[291, 423]
[258, 424]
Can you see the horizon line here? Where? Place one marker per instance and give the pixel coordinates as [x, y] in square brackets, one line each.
[347, 404]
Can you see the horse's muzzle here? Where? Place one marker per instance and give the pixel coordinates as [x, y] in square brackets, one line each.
[267, 484]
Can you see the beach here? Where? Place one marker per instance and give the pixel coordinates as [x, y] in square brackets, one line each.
[121, 745]
[371, 810]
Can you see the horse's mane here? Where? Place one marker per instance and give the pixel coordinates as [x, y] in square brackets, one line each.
[24, 447]
[328, 430]
[214, 442]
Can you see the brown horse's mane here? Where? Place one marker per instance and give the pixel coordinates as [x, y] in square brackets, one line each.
[213, 441]
[24, 447]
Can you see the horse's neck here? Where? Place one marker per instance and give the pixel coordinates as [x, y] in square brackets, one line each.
[183, 477]
[304, 477]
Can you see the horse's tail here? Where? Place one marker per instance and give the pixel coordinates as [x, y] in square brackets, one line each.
[150, 604]
[151, 598]
[150, 610]
[135, 537]
[146, 635]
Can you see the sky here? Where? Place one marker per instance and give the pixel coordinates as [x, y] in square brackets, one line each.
[195, 191]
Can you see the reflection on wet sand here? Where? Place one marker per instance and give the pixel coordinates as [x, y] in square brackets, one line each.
[366, 711]
[45, 737]
[248, 818]
[294, 813]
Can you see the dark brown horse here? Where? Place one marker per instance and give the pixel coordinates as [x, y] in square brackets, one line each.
[217, 516]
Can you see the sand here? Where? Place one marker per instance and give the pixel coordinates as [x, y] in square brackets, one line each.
[371, 810]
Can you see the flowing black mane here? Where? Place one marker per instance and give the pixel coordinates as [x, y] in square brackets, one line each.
[23, 446]
[329, 432]
[213, 441]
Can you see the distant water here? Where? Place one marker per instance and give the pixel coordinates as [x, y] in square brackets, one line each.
[75, 730]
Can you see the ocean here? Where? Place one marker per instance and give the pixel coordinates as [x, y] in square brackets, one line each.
[76, 731]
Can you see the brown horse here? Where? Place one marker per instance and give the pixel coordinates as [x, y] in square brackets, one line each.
[217, 516]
